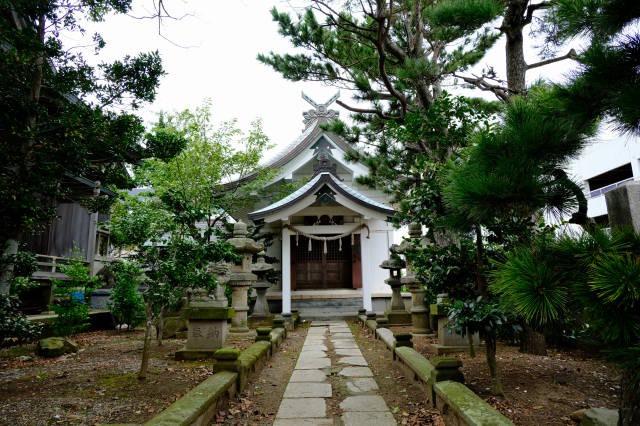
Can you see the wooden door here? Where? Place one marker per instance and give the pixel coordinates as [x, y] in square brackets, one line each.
[315, 269]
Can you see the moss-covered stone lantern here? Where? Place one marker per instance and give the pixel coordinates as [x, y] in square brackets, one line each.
[396, 313]
[241, 278]
[261, 269]
[419, 312]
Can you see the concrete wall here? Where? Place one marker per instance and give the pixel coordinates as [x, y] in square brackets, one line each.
[607, 151]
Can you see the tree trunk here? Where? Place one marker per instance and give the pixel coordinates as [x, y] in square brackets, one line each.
[630, 399]
[472, 349]
[10, 249]
[481, 281]
[512, 25]
[532, 342]
[516, 65]
[496, 383]
[160, 327]
[142, 374]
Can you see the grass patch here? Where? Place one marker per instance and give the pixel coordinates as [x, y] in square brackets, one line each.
[118, 383]
[16, 351]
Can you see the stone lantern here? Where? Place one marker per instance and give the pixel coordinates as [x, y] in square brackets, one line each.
[241, 277]
[419, 312]
[261, 269]
[396, 314]
[206, 320]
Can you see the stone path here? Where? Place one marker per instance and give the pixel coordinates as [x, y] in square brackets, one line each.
[306, 395]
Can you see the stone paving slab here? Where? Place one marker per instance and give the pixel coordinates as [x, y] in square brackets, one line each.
[348, 352]
[345, 345]
[362, 385]
[302, 408]
[308, 376]
[353, 360]
[303, 422]
[314, 347]
[313, 363]
[312, 354]
[304, 401]
[341, 335]
[368, 418]
[364, 403]
[308, 390]
[356, 372]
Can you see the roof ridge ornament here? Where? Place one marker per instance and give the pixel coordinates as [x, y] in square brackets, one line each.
[320, 110]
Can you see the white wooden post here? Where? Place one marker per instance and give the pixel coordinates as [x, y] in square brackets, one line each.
[286, 271]
[366, 272]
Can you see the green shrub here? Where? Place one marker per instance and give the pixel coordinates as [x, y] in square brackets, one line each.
[72, 298]
[14, 326]
[127, 305]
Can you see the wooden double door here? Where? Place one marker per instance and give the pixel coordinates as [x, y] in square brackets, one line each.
[314, 269]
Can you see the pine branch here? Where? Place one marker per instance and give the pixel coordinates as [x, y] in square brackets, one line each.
[481, 83]
[570, 55]
[532, 8]
[377, 112]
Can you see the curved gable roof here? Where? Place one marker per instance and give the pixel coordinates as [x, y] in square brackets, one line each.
[303, 142]
[318, 181]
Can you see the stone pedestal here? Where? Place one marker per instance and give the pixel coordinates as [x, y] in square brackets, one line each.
[623, 206]
[396, 313]
[419, 311]
[261, 307]
[207, 331]
[448, 340]
[241, 278]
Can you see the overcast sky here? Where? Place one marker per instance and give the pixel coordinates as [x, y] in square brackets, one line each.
[222, 39]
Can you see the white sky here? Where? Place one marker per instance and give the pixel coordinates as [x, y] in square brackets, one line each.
[224, 37]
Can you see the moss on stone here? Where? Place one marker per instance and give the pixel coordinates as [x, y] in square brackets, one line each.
[253, 353]
[418, 364]
[445, 362]
[186, 410]
[55, 346]
[472, 409]
[227, 354]
[263, 331]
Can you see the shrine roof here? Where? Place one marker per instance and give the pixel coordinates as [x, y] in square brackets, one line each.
[318, 181]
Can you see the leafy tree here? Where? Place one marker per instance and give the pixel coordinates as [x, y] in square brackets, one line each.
[176, 224]
[485, 318]
[127, 305]
[62, 116]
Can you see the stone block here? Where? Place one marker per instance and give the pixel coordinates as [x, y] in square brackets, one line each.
[356, 372]
[459, 405]
[353, 360]
[370, 418]
[447, 337]
[403, 339]
[313, 363]
[361, 385]
[364, 403]
[599, 417]
[308, 390]
[302, 408]
[315, 376]
[623, 206]
[52, 347]
[303, 422]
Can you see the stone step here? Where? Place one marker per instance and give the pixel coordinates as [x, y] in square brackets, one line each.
[311, 309]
